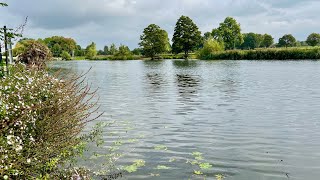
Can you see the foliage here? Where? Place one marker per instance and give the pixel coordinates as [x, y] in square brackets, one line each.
[3, 4]
[79, 51]
[42, 117]
[91, 51]
[113, 49]
[267, 41]
[267, 54]
[65, 56]
[134, 167]
[186, 37]
[106, 50]
[313, 39]
[137, 51]
[199, 164]
[162, 167]
[57, 44]
[210, 46]
[123, 51]
[154, 40]
[252, 41]
[230, 32]
[161, 147]
[207, 36]
[287, 41]
[33, 54]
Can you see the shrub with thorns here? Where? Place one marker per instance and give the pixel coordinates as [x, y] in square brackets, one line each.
[41, 119]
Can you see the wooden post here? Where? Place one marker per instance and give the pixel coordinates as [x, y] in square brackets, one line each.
[6, 47]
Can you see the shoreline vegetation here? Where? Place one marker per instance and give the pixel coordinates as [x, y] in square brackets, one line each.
[290, 53]
[225, 42]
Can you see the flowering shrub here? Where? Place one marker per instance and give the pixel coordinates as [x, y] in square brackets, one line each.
[40, 120]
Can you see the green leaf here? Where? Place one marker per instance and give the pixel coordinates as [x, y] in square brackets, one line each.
[131, 168]
[196, 153]
[161, 147]
[205, 165]
[197, 172]
[162, 167]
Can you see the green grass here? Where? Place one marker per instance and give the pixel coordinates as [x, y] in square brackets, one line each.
[293, 53]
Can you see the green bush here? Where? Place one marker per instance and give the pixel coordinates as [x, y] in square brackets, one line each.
[41, 118]
[266, 54]
[210, 46]
[65, 56]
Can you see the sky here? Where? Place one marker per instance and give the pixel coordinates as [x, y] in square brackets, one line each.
[122, 21]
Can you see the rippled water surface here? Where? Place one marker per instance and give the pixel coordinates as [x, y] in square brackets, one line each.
[250, 119]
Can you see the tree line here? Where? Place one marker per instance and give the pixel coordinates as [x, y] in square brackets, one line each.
[187, 38]
[227, 36]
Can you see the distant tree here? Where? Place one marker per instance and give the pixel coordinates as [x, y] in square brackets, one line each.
[106, 50]
[79, 51]
[65, 56]
[210, 46]
[267, 41]
[123, 51]
[137, 51]
[287, 41]
[186, 37]
[216, 35]
[56, 50]
[154, 40]
[91, 51]
[100, 52]
[251, 41]
[313, 39]
[113, 49]
[230, 32]
[57, 44]
[207, 36]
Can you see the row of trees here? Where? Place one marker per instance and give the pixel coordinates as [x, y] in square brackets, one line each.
[187, 37]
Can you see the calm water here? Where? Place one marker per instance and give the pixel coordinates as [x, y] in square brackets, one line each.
[251, 119]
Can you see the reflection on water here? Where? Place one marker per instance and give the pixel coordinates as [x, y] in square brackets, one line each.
[250, 119]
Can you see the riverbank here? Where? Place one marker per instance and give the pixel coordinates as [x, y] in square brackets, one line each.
[295, 53]
[135, 57]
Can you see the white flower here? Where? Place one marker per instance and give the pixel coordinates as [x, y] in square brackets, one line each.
[28, 160]
[10, 139]
[5, 177]
[18, 148]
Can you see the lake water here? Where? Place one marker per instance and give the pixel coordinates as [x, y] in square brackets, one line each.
[255, 120]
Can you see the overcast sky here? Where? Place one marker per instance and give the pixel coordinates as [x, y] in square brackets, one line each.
[122, 21]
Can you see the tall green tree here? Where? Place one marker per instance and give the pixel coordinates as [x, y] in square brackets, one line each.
[123, 51]
[113, 49]
[230, 32]
[313, 39]
[154, 40]
[207, 36]
[216, 35]
[186, 37]
[106, 50]
[252, 40]
[91, 51]
[267, 40]
[287, 41]
[57, 44]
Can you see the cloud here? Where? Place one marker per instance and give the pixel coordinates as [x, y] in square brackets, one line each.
[122, 21]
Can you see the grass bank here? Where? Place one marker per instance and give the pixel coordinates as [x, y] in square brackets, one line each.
[296, 53]
[135, 57]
